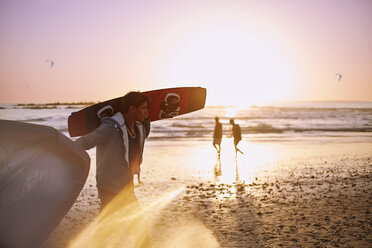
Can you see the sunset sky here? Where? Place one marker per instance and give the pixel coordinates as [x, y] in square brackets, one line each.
[244, 52]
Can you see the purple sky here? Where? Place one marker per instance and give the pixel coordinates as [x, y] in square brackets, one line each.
[244, 52]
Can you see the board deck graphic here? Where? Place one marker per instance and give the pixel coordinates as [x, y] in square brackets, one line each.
[163, 104]
[41, 174]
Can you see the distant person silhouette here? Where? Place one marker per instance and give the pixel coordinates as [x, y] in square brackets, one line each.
[217, 136]
[236, 132]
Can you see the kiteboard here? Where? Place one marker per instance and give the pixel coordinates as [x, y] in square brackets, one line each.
[163, 104]
[41, 174]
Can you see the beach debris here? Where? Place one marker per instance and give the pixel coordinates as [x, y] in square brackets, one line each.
[51, 63]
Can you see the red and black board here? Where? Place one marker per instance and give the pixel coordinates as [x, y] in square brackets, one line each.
[163, 104]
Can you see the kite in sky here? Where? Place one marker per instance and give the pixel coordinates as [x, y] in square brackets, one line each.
[339, 76]
[51, 63]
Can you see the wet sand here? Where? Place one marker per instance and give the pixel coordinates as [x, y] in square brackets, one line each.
[317, 201]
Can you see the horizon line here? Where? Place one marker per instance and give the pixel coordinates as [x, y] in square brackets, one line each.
[207, 105]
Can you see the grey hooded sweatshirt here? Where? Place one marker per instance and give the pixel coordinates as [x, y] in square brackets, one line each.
[111, 140]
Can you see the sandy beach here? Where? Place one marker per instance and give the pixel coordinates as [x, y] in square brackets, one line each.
[290, 80]
[307, 194]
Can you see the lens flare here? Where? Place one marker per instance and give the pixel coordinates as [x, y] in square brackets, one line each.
[122, 223]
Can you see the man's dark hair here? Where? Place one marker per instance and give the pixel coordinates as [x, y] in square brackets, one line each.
[133, 98]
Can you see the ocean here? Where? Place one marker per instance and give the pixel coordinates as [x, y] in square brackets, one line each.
[293, 121]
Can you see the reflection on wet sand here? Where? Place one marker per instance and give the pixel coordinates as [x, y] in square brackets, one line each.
[218, 170]
[237, 178]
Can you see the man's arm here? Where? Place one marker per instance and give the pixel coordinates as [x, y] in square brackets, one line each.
[98, 136]
[147, 126]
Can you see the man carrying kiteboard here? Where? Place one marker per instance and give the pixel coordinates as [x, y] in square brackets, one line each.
[120, 141]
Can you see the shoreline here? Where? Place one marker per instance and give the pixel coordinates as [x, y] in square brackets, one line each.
[307, 199]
